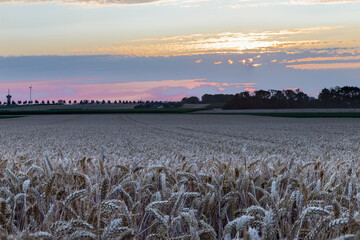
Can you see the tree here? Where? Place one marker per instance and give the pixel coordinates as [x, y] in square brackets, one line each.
[302, 99]
[216, 99]
[262, 94]
[19, 102]
[190, 100]
[340, 97]
[269, 99]
[290, 94]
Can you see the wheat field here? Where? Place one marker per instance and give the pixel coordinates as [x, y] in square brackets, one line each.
[179, 177]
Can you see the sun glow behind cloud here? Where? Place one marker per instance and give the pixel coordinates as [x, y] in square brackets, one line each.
[222, 43]
[290, 40]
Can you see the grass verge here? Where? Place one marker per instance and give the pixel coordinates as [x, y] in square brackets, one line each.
[297, 115]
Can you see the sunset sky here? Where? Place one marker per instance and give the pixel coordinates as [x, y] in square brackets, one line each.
[169, 49]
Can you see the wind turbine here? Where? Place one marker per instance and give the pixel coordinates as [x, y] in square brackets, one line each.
[30, 92]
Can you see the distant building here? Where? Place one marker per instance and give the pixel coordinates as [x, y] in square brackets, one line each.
[8, 98]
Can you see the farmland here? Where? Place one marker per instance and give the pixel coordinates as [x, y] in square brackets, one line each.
[186, 176]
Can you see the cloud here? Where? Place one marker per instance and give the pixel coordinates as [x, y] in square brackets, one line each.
[263, 3]
[134, 78]
[343, 62]
[90, 2]
[250, 62]
[325, 66]
[78, 89]
[222, 43]
[336, 1]
[181, 3]
[315, 59]
[198, 61]
[251, 90]
[217, 63]
[289, 40]
[230, 61]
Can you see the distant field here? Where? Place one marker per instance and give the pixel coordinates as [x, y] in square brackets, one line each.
[187, 108]
[43, 107]
[174, 176]
[93, 109]
[98, 111]
[291, 113]
[294, 110]
[311, 115]
[298, 115]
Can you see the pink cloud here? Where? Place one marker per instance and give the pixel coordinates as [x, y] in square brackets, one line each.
[314, 59]
[77, 89]
[251, 90]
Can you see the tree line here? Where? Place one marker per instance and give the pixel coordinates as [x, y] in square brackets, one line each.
[48, 102]
[337, 97]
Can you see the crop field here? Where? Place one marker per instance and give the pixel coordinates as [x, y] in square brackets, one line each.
[186, 176]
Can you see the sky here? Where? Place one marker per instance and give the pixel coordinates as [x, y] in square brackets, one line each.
[170, 49]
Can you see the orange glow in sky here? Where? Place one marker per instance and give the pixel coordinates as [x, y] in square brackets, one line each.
[167, 49]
